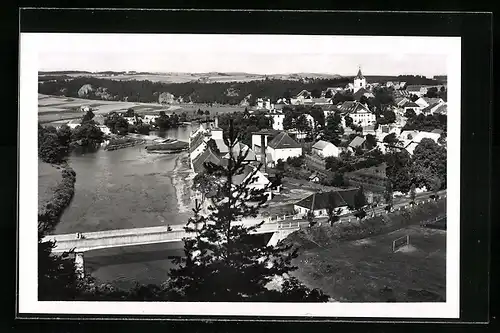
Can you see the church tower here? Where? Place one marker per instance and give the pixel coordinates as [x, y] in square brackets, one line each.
[359, 81]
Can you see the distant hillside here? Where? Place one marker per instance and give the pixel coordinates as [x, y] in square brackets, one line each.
[181, 77]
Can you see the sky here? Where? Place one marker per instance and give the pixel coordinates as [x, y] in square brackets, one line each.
[260, 54]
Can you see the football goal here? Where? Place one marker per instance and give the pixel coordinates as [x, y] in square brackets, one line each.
[400, 242]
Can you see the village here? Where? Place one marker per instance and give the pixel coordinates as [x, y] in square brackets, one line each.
[304, 191]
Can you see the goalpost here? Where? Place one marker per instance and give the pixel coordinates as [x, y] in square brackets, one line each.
[400, 242]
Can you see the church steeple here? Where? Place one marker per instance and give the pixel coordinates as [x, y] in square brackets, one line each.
[360, 75]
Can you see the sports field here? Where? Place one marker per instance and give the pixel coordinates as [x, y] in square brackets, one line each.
[358, 271]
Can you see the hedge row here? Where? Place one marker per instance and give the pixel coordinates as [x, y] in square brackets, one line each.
[325, 235]
[48, 216]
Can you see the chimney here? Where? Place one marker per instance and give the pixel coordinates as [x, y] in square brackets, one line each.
[263, 151]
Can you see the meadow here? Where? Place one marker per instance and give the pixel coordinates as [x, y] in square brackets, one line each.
[360, 270]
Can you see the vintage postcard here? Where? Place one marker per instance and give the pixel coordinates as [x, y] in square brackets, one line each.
[245, 175]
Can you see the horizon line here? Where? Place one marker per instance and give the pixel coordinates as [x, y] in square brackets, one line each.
[226, 72]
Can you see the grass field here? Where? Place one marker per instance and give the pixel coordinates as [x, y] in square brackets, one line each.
[49, 177]
[357, 271]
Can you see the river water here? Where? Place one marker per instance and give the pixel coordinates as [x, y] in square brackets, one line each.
[130, 188]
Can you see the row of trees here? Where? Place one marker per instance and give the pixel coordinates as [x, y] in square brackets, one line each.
[425, 122]
[222, 262]
[119, 125]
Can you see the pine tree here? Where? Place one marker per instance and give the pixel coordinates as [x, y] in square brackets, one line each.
[223, 261]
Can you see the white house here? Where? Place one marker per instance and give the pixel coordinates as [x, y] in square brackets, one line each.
[434, 108]
[417, 90]
[359, 113]
[130, 120]
[148, 119]
[319, 203]
[264, 104]
[301, 97]
[104, 129]
[411, 106]
[74, 123]
[414, 142]
[283, 147]
[325, 149]
[260, 181]
[277, 119]
[359, 81]
[197, 145]
[424, 102]
[257, 139]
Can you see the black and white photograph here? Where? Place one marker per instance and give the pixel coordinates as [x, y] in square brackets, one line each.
[227, 174]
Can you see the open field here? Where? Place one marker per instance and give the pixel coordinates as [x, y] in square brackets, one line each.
[57, 108]
[356, 271]
[49, 177]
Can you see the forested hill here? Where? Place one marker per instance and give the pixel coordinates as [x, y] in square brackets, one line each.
[197, 92]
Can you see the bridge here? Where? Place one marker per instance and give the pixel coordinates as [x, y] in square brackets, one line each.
[143, 236]
[154, 235]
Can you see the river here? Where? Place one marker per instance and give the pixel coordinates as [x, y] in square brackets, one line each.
[130, 188]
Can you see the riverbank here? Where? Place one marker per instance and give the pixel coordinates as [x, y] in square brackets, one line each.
[354, 262]
[50, 210]
[182, 181]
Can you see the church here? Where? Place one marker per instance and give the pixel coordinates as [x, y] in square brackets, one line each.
[359, 81]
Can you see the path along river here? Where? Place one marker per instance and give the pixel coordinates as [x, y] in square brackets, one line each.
[130, 188]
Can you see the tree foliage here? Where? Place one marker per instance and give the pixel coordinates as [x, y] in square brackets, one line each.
[389, 117]
[371, 141]
[333, 129]
[87, 134]
[116, 123]
[245, 126]
[398, 170]
[426, 123]
[428, 165]
[53, 145]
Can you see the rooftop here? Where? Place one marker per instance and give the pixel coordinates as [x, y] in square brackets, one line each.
[353, 107]
[207, 156]
[322, 145]
[283, 141]
[324, 200]
[357, 141]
